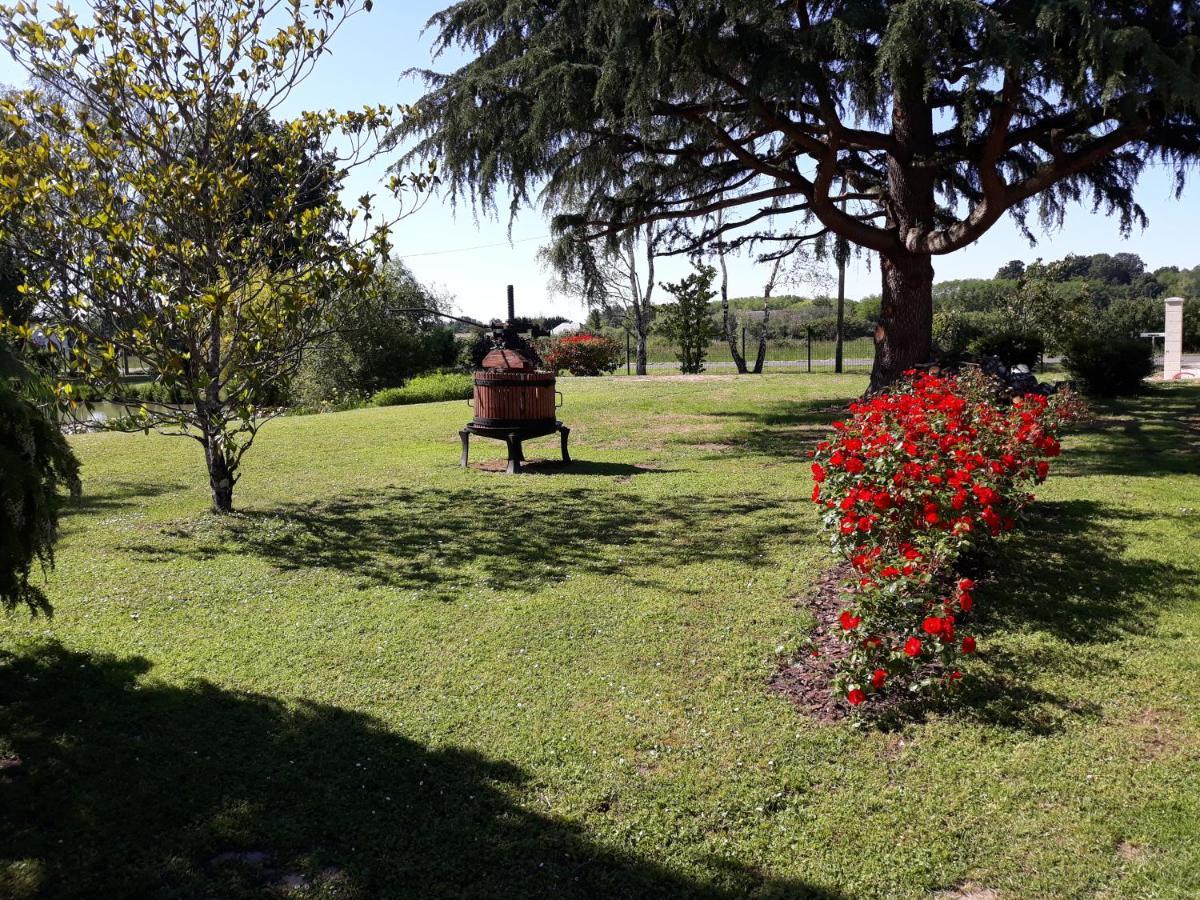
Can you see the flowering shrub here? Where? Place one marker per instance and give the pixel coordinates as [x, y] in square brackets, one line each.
[583, 354]
[915, 478]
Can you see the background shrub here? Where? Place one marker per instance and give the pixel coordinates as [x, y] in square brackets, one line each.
[1107, 365]
[373, 345]
[435, 388]
[1011, 346]
[583, 354]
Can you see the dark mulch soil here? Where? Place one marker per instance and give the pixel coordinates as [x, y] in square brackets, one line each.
[805, 681]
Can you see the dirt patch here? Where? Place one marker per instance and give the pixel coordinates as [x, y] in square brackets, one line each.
[1130, 852]
[684, 378]
[968, 891]
[1156, 734]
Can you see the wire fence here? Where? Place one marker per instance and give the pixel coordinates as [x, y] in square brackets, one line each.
[808, 354]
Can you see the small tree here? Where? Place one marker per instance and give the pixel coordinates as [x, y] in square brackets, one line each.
[165, 215]
[687, 322]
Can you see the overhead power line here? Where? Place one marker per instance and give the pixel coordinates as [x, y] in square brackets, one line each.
[537, 237]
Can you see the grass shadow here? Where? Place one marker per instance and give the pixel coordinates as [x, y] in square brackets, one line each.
[1065, 576]
[786, 429]
[444, 542]
[116, 496]
[1154, 433]
[115, 785]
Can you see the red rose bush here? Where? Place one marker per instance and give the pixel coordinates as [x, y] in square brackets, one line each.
[936, 467]
[583, 354]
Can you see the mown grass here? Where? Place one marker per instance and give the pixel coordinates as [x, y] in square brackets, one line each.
[387, 676]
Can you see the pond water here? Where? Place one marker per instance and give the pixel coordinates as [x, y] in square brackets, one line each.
[86, 416]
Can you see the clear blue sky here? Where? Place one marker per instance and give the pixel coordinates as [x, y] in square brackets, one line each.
[474, 261]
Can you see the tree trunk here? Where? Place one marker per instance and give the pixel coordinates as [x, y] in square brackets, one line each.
[903, 337]
[838, 354]
[728, 324]
[760, 358]
[640, 351]
[220, 475]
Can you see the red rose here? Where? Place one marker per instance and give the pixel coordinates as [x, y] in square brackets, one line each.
[878, 678]
[966, 584]
[816, 493]
[932, 625]
[968, 644]
[854, 465]
[856, 696]
[1043, 469]
[913, 646]
[848, 620]
[965, 602]
[818, 472]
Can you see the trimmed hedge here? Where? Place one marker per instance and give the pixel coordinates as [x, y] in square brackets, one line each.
[427, 389]
[1109, 366]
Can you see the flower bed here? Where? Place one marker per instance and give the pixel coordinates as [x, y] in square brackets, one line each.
[915, 478]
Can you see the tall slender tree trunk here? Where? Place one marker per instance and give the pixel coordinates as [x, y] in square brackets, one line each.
[640, 298]
[904, 334]
[838, 354]
[760, 358]
[639, 365]
[728, 323]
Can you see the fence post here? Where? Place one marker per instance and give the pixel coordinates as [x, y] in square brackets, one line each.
[808, 330]
[627, 351]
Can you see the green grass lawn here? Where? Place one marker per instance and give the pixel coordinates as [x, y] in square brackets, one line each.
[388, 676]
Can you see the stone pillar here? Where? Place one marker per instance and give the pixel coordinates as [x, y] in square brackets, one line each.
[1173, 342]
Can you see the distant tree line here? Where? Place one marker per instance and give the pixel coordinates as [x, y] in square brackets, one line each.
[1103, 295]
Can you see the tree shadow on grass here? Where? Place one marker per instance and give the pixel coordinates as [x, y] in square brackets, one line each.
[787, 429]
[443, 542]
[118, 786]
[1154, 433]
[1064, 576]
[116, 496]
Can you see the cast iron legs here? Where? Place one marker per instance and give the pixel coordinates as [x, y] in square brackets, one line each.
[512, 441]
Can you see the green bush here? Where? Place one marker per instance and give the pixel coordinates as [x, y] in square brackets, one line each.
[1012, 347]
[427, 389]
[954, 331]
[1109, 366]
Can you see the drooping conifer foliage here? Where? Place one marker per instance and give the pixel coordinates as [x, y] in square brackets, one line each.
[908, 128]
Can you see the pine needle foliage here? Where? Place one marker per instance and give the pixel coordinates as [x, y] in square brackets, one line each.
[908, 128]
